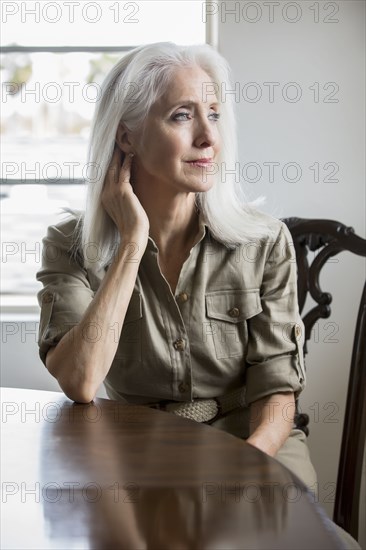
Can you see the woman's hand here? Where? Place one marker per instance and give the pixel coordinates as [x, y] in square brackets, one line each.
[271, 421]
[81, 364]
[121, 203]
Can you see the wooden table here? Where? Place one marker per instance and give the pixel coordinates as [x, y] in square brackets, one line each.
[112, 476]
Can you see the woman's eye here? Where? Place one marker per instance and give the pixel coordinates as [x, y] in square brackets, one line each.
[214, 116]
[187, 116]
[181, 116]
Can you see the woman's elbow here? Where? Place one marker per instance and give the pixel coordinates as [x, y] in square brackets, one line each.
[80, 393]
[71, 383]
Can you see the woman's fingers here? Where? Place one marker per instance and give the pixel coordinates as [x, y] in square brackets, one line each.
[119, 171]
[119, 200]
[125, 172]
[112, 176]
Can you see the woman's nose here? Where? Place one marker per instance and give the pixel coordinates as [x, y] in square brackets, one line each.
[206, 133]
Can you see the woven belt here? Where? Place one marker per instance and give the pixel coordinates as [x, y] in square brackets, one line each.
[205, 410]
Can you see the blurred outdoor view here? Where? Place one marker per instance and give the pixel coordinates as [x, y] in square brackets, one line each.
[48, 100]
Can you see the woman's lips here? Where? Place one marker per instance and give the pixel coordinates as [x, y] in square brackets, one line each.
[200, 162]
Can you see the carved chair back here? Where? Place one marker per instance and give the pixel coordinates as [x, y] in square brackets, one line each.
[329, 238]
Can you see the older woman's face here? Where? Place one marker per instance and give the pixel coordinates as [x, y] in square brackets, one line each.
[180, 142]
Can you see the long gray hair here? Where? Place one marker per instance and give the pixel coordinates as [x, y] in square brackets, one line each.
[128, 92]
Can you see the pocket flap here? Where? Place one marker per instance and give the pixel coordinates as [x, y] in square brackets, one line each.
[233, 306]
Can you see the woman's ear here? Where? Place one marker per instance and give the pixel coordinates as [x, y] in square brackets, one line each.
[123, 139]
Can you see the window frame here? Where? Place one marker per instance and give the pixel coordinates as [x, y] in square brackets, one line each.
[15, 305]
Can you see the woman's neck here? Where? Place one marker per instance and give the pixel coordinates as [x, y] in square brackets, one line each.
[174, 223]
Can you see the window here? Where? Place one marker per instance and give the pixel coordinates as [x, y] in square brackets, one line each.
[54, 57]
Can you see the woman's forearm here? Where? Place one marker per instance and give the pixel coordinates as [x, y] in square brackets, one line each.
[271, 421]
[83, 357]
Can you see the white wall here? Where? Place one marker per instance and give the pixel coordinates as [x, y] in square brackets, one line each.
[306, 132]
[21, 366]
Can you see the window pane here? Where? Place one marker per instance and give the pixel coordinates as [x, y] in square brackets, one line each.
[48, 102]
[103, 23]
[26, 212]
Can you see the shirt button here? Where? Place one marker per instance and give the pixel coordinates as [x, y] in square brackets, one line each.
[297, 331]
[182, 297]
[179, 344]
[183, 387]
[47, 298]
[234, 312]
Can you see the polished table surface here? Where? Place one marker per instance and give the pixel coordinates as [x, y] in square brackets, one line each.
[108, 476]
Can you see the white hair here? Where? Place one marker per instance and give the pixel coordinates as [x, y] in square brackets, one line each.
[128, 92]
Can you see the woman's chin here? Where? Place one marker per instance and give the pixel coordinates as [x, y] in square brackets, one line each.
[201, 185]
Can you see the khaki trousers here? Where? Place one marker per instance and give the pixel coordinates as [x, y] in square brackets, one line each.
[294, 454]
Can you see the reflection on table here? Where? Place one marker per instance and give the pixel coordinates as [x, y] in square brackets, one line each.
[108, 476]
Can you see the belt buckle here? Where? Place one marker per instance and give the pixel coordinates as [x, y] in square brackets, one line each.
[217, 415]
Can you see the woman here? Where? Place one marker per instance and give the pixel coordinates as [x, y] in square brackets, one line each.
[169, 289]
[168, 286]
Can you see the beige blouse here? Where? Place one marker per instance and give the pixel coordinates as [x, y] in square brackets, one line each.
[232, 322]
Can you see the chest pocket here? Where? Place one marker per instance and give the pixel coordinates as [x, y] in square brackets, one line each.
[227, 311]
[130, 344]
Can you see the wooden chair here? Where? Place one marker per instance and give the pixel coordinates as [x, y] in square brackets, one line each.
[329, 238]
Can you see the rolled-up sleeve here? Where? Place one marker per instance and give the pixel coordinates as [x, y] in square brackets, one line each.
[274, 361]
[66, 291]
